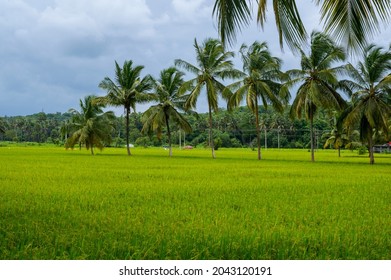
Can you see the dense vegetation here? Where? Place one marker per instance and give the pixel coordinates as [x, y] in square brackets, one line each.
[233, 129]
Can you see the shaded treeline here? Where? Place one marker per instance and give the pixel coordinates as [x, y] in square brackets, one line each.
[232, 129]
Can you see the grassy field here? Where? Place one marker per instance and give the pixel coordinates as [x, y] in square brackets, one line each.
[57, 204]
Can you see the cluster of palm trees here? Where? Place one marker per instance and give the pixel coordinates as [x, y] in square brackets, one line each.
[260, 81]
[351, 22]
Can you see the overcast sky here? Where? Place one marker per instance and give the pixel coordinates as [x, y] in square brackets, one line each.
[55, 52]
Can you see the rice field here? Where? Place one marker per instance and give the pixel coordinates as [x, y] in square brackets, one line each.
[57, 204]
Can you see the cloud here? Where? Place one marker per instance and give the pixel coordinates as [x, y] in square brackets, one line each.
[192, 11]
[58, 51]
[54, 52]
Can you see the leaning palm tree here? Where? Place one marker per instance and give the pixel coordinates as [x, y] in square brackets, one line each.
[370, 87]
[171, 102]
[91, 126]
[259, 82]
[351, 22]
[214, 65]
[317, 80]
[127, 90]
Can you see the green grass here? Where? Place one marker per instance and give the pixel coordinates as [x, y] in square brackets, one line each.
[57, 204]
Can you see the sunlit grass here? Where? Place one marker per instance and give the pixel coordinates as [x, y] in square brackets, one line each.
[57, 204]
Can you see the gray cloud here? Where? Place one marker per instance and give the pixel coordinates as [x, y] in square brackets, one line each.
[55, 52]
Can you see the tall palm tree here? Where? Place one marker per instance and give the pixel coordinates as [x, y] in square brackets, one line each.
[317, 80]
[370, 88]
[91, 126]
[127, 90]
[351, 22]
[259, 82]
[214, 65]
[171, 102]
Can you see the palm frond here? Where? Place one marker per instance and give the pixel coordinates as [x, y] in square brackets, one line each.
[231, 16]
[354, 21]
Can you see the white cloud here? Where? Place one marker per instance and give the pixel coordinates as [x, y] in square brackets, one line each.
[192, 10]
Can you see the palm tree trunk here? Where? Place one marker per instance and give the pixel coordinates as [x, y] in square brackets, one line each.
[339, 151]
[370, 148]
[169, 136]
[258, 130]
[180, 141]
[127, 130]
[265, 137]
[211, 143]
[92, 145]
[312, 137]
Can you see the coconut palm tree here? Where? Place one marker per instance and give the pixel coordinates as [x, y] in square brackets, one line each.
[370, 87]
[317, 80]
[171, 102]
[338, 137]
[214, 65]
[65, 129]
[91, 126]
[351, 22]
[259, 83]
[127, 90]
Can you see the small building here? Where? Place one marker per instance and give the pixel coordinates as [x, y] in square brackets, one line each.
[384, 148]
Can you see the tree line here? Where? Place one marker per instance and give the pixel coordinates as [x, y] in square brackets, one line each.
[319, 84]
[232, 129]
[261, 84]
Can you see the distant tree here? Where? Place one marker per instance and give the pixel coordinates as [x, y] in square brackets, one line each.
[317, 80]
[214, 64]
[259, 82]
[91, 126]
[340, 136]
[171, 102]
[127, 90]
[65, 129]
[370, 87]
[2, 126]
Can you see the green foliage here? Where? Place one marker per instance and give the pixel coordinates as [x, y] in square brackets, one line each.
[68, 205]
[214, 64]
[353, 22]
[217, 143]
[90, 126]
[370, 90]
[127, 90]
[144, 141]
[317, 80]
[168, 111]
[362, 150]
[259, 83]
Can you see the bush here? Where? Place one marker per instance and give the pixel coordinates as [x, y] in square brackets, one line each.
[143, 141]
[362, 150]
[299, 145]
[217, 143]
[235, 143]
